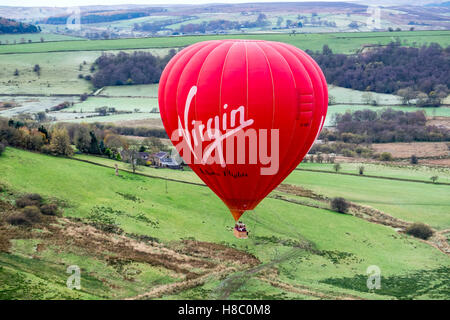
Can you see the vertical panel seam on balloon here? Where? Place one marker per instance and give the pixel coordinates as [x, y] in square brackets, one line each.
[220, 93]
[221, 76]
[247, 104]
[273, 86]
[176, 100]
[162, 89]
[209, 179]
[246, 75]
[195, 109]
[305, 55]
[324, 92]
[295, 85]
[257, 182]
[312, 86]
[179, 78]
[198, 76]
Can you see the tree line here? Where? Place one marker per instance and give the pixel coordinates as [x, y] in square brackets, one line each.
[160, 25]
[59, 139]
[124, 68]
[13, 26]
[93, 17]
[414, 73]
[367, 126]
[222, 25]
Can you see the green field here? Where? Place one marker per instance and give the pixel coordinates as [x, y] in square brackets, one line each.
[138, 90]
[58, 75]
[348, 244]
[114, 117]
[186, 175]
[120, 104]
[411, 201]
[166, 229]
[339, 95]
[34, 37]
[413, 172]
[338, 42]
[60, 72]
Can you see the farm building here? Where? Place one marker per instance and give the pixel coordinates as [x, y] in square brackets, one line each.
[144, 156]
[157, 158]
[163, 159]
[170, 163]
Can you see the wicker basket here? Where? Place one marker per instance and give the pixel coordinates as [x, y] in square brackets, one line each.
[240, 234]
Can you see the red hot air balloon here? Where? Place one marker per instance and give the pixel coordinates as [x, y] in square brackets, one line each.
[242, 114]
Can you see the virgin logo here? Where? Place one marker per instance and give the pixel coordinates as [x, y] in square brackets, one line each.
[226, 139]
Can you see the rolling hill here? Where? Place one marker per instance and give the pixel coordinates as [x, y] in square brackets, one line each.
[295, 251]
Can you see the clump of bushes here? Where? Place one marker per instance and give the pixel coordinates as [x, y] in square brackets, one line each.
[30, 210]
[386, 156]
[340, 205]
[50, 209]
[18, 219]
[419, 230]
[344, 148]
[30, 199]
[434, 179]
[84, 97]
[32, 213]
[61, 106]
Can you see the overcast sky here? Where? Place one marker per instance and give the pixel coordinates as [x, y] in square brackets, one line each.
[70, 3]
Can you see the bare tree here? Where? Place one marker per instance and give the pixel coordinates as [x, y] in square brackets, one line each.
[132, 157]
[337, 167]
[361, 170]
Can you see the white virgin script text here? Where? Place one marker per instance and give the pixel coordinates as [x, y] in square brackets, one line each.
[226, 129]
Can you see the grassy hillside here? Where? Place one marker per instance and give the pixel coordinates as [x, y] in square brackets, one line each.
[411, 201]
[138, 90]
[120, 104]
[60, 63]
[414, 172]
[34, 37]
[298, 246]
[58, 75]
[406, 200]
[338, 42]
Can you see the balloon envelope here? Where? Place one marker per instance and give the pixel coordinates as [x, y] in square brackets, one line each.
[242, 114]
